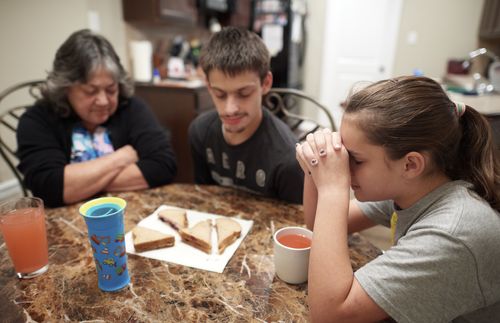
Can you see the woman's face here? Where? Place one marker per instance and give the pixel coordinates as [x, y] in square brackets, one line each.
[95, 101]
[374, 176]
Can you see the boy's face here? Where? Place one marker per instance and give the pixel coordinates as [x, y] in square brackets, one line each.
[238, 101]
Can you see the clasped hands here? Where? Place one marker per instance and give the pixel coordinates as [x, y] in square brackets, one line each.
[323, 156]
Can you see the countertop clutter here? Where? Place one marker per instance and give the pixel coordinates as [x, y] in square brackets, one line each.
[247, 290]
[487, 104]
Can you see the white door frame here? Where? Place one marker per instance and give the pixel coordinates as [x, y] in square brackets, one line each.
[334, 17]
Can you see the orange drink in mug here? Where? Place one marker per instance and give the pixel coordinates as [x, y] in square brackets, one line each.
[292, 246]
[22, 223]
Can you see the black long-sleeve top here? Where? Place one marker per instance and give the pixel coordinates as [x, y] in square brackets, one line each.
[44, 146]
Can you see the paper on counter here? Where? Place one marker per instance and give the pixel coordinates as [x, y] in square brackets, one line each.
[142, 66]
[272, 35]
[184, 254]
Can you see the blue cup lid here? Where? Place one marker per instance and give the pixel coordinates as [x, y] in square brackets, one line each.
[102, 207]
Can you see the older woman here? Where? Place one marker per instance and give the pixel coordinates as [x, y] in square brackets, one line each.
[88, 134]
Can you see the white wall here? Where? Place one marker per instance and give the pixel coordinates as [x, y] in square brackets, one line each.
[31, 31]
[445, 29]
[315, 22]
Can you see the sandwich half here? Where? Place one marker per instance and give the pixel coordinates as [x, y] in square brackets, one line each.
[228, 230]
[146, 239]
[176, 218]
[199, 236]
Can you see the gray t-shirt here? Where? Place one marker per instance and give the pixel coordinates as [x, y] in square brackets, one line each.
[445, 264]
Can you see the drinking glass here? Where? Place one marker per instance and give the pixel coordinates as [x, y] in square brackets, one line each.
[22, 222]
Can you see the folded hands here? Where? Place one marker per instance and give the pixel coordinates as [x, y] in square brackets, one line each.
[323, 156]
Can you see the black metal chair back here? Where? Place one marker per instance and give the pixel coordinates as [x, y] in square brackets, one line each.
[299, 111]
[24, 92]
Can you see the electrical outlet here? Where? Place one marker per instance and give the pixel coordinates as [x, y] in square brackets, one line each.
[412, 37]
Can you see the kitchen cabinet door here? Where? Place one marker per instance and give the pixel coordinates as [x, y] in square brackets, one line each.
[160, 11]
[490, 20]
[241, 15]
[175, 108]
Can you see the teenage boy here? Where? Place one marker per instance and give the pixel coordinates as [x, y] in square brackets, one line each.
[241, 144]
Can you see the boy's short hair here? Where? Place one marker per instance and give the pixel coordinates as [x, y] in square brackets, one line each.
[234, 50]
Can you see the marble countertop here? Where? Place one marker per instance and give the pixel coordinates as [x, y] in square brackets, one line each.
[247, 290]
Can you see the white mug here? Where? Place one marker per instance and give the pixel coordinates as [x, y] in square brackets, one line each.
[291, 264]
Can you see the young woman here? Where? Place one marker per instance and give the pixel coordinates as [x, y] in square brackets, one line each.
[426, 167]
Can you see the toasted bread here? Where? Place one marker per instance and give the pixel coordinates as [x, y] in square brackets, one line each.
[199, 236]
[176, 218]
[146, 239]
[228, 230]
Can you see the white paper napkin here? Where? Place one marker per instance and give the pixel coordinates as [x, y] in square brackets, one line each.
[184, 254]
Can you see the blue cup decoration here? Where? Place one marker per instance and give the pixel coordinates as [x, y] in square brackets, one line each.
[104, 218]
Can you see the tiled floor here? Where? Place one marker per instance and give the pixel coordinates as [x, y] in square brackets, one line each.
[379, 235]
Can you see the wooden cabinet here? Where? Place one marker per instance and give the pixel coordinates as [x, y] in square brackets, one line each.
[184, 12]
[242, 14]
[238, 13]
[490, 20]
[160, 11]
[175, 108]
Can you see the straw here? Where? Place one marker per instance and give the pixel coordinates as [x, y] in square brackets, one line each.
[110, 210]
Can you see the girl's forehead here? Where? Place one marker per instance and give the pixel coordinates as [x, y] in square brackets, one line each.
[357, 142]
[353, 136]
[350, 122]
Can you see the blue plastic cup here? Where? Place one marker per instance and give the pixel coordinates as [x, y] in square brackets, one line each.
[104, 218]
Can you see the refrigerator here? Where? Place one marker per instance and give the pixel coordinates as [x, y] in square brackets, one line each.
[281, 24]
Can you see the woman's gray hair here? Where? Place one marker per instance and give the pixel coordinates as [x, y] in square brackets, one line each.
[82, 54]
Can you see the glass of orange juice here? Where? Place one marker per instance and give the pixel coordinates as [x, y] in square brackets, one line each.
[22, 223]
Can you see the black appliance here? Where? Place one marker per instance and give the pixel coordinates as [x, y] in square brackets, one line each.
[287, 63]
